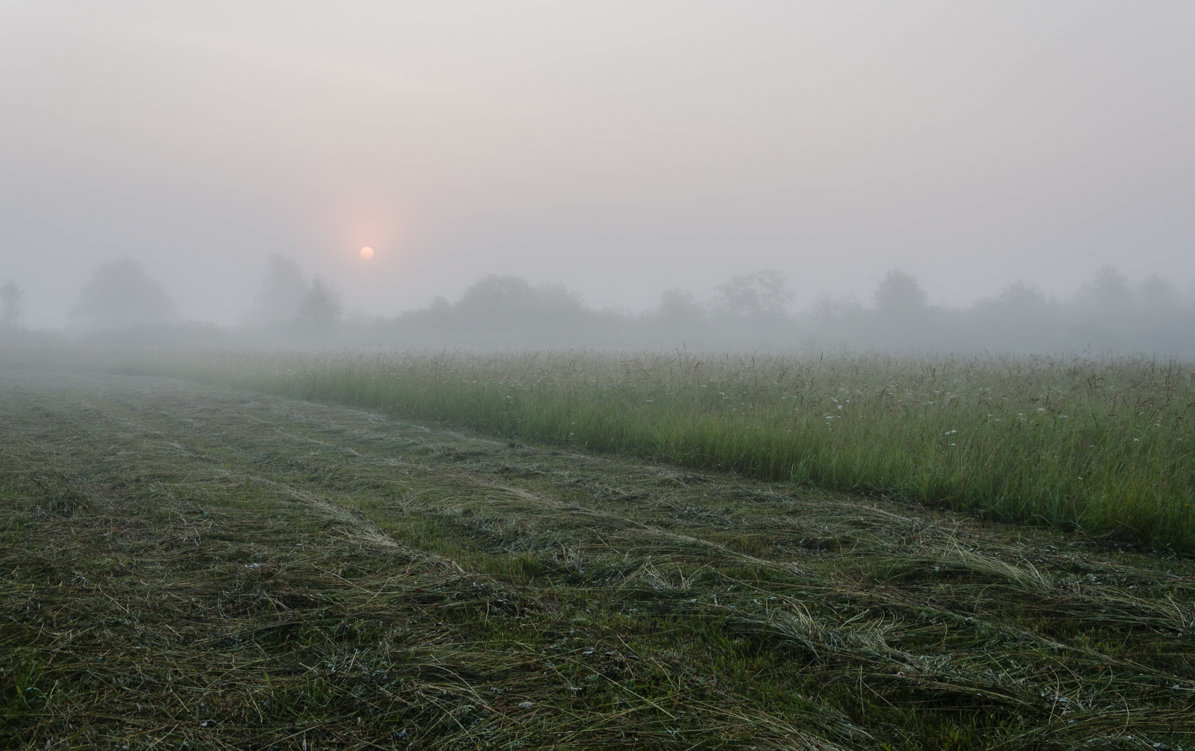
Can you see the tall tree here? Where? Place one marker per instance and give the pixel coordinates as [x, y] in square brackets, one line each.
[680, 306]
[1108, 293]
[120, 294]
[506, 296]
[900, 295]
[764, 294]
[281, 294]
[320, 308]
[10, 306]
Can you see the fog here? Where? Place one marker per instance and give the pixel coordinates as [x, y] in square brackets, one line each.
[668, 173]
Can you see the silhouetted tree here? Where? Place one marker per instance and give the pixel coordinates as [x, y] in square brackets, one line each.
[320, 308]
[513, 296]
[764, 294]
[10, 306]
[834, 322]
[120, 294]
[495, 294]
[829, 309]
[1159, 295]
[1104, 313]
[1023, 297]
[679, 307]
[1018, 320]
[1163, 322]
[1107, 293]
[509, 311]
[281, 294]
[900, 295]
[901, 318]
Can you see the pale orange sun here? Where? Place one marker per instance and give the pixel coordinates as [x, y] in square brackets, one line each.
[367, 252]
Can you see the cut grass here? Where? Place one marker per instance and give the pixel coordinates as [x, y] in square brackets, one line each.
[243, 571]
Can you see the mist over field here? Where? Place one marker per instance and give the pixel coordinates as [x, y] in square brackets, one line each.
[1011, 177]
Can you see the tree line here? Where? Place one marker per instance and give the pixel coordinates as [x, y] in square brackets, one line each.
[121, 302]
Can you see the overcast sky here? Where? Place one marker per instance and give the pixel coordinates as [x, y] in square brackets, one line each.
[619, 148]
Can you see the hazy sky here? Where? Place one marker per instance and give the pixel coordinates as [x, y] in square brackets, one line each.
[620, 148]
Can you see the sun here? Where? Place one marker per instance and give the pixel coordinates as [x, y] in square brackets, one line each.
[367, 253]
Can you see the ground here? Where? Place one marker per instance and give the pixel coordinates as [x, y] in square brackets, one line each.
[183, 565]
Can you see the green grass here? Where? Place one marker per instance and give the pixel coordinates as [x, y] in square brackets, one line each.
[183, 565]
[1106, 447]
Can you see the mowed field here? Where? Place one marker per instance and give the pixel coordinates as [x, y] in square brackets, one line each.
[187, 565]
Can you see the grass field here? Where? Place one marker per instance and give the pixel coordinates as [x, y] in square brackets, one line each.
[191, 565]
[1106, 447]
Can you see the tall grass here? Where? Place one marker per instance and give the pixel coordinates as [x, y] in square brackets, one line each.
[1103, 446]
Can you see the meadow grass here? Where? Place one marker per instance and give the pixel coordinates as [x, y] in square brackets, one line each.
[1102, 446]
[208, 567]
